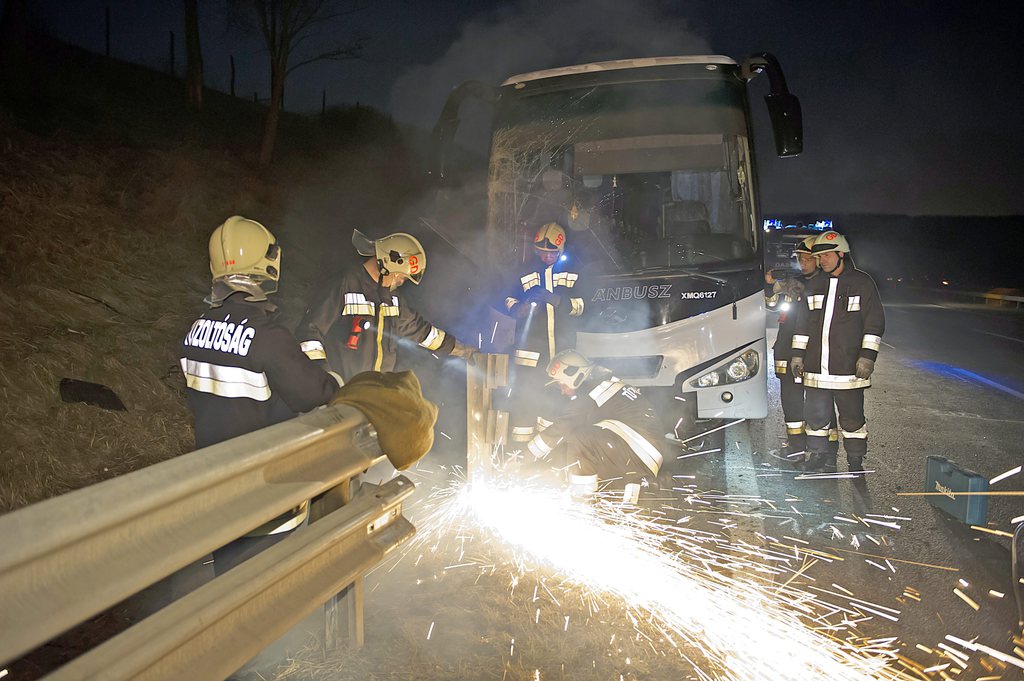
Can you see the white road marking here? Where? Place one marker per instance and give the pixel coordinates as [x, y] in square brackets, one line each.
[999, 335]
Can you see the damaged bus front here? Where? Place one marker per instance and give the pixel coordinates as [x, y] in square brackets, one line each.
[649, 165]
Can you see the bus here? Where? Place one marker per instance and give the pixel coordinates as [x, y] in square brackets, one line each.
[650, 165]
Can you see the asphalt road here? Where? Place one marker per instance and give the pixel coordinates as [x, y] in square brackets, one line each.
[949, 382]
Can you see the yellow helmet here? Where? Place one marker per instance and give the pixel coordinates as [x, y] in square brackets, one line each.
[550, 237]
[244, 256]
[570, 368]
[397, 253]
[806, 245]
[828, 242]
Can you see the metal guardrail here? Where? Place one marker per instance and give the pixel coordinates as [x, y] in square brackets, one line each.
[1017, 300]
[72, 557]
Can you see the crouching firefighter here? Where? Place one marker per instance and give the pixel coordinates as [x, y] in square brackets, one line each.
[609, 430]
[787, 295]
[835, 344]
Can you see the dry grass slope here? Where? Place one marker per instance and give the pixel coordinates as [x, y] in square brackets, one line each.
[103, 233]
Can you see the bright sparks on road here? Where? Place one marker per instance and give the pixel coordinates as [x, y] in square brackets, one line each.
[719, 605]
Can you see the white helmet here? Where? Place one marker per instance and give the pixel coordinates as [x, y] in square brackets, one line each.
[569, 368]
[829, 242]
[550, 237]
[397, 253]
[244, 256]
[806, 245]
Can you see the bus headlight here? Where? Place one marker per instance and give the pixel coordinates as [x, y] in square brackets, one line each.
[708, 380]
[739, 369]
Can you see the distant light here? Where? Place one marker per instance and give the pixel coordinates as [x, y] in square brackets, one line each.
[366, 325]
[945, 283]
[563, 258]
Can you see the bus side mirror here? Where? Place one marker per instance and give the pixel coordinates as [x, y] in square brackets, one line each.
[783, 107]
[787, 123]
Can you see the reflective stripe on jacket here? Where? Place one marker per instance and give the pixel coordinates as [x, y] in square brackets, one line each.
[355, 326]
[546, 329]
[841, 320]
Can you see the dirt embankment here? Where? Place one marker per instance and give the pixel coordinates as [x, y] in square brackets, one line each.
[103, 230]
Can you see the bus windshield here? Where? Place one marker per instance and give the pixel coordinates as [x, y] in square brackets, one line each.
[645, 175]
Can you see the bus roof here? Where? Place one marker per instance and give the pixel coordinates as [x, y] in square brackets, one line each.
[619, 64]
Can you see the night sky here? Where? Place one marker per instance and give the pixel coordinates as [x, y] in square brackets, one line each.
[909, 107]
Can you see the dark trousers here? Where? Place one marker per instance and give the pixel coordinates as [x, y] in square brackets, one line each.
[792, 395]
[598, 451]
[528, 399]
[820, 406]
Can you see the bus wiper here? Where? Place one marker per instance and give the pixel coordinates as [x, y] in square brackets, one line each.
[700, 274]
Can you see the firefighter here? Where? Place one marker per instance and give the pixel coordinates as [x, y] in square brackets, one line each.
[610, 431]
[786, 296]
[359, 320]
[243, 370]
[542, 302]
[835, 344]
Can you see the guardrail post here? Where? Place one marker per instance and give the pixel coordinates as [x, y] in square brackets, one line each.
[486, 428]
[343, 612]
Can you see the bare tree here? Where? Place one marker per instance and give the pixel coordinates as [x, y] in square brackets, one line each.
[194, 57]
[285, 25]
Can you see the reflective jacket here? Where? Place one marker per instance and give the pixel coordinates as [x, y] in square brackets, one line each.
[543, 329]
[605, 401]
[244, 372]
[783, 347]
[356, 326]
[841, 320]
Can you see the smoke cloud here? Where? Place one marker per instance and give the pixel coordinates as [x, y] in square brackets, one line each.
[535, 34]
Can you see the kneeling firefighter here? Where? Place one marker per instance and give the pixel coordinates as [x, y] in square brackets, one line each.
[609, 429]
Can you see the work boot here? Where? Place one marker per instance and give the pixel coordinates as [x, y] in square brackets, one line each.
[821, 463]
[795, 453]
[854, 462]
[830, 465]
[815, 462]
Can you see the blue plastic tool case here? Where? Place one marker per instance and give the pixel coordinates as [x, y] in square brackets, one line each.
[950, 481]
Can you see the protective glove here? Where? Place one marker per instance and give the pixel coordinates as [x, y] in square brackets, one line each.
[466, 352]
[796, 367]
[394, 404]
[539, 295]
[791, 288]
[864, 367]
